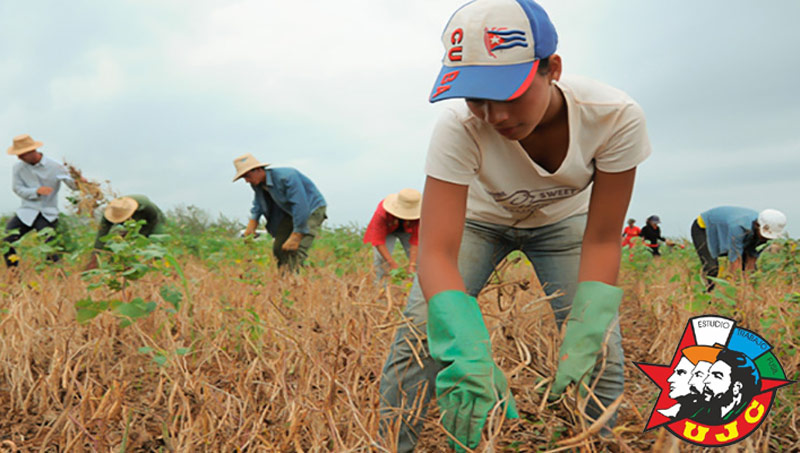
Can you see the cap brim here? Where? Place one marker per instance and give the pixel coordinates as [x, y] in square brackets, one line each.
[495, 83]
[767, 234]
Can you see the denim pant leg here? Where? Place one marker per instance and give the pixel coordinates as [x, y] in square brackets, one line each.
[295, 259]
[407, 385]
[282, 233]
[555, 252]
[378, 262]
[405, 241]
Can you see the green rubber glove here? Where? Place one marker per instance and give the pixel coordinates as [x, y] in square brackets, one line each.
[471, 383]
[593, 309]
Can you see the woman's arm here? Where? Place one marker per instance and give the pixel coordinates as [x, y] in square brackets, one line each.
[384, 251]
[444, 207]
[601, 243]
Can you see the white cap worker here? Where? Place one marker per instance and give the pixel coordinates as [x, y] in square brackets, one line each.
[36, 180]
[734, 232]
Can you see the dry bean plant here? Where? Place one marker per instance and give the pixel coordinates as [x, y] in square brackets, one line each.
[240, 357]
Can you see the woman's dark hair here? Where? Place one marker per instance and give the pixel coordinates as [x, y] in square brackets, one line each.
[544, 66]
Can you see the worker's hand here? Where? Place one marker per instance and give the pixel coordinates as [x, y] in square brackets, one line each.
[412, 268]
[669, 243]
[593, 309]
[293, 243]
[251, 227]
[470, 384]
[44, 190]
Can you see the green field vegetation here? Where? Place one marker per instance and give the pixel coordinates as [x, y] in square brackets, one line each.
[193, 341]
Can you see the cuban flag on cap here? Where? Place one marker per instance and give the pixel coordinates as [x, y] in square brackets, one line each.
[492, 50]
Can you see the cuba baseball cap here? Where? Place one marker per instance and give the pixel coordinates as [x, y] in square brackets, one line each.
[771, 223]
[492, 49]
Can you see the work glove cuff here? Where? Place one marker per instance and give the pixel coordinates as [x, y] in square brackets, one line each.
[456, 328]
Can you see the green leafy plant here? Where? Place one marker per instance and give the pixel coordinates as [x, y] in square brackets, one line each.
[399, 276]
[127, 312]
[130, 256]
[39, 247]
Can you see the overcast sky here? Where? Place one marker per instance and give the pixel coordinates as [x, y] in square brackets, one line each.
[159, 96]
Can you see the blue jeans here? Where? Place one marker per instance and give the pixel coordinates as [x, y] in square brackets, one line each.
[379, 263]
[554, 250]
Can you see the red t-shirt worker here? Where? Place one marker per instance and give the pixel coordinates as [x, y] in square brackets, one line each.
[395, 218]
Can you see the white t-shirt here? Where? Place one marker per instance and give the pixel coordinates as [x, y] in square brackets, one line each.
[607, 131]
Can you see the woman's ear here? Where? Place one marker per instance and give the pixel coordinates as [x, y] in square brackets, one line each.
[554, 70]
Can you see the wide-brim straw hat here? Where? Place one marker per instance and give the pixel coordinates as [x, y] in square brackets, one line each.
[120, 209]
[406, 204]
[245, 163]
[23, 144]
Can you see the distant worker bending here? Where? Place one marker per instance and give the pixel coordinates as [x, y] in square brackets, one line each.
[736, 233]
[291, 204]
[395, 219]
[122, 209]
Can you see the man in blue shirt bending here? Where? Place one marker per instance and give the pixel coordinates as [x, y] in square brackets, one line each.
[735, 233]
[291, 204]
[36, 180]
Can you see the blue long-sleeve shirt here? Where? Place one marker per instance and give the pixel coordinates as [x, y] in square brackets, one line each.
[285, 191]
[730, 232]
[26, 180]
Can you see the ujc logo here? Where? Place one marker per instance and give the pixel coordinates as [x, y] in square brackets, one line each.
[720, 385]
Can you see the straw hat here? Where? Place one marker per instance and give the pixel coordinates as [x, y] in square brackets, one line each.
[245, 163]
[405, 204]
[120, 209]
[23, 144]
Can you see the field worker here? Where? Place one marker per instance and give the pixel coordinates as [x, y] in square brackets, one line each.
[291, 204]
[651, 233]
[119, 210]
[513, 167]
[36, 179]
[736, 233]
[629, 233]
[395, 219]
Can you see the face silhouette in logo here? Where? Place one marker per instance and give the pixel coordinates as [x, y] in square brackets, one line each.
[679, 379]
[730, 384]
[717, 384]
[686, 383]
[679, 389]
[699, 374]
